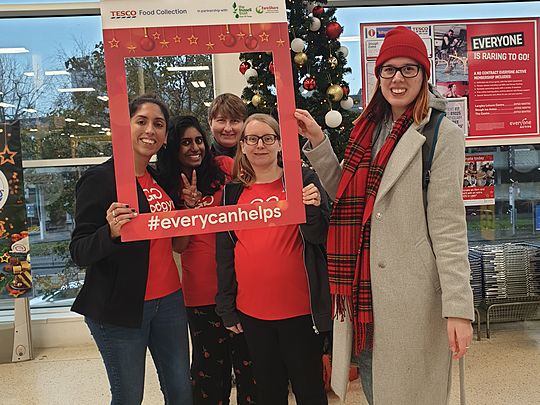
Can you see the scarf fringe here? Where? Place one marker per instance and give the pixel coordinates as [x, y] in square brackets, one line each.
[342, 307]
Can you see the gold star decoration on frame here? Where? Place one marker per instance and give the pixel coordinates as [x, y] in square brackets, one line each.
[264, 37]
[164, 43]
[156, 35]
[240, 35]
[131, 48]
[193, 39]
[114, 43]
[3, 159]
[221, 37]
[210, 45]
[280, 42]
[177, 39]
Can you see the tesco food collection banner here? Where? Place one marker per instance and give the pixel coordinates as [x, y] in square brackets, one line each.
[141, 29]
[488, 69]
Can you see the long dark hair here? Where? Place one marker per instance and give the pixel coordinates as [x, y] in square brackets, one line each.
[210, 178]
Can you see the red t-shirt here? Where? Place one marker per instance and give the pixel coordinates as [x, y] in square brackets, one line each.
[269, 264]
[199, 259]
[163, 278]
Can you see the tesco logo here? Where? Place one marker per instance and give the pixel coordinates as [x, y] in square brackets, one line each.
[123, 14]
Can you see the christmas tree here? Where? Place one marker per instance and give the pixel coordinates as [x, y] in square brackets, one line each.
[319, 64]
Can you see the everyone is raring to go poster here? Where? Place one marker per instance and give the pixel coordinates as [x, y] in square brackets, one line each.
[488, 70]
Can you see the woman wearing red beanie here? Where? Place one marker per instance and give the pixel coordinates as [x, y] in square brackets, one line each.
[398, 268]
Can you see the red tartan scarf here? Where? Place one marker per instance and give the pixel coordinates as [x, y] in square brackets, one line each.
[350, 225]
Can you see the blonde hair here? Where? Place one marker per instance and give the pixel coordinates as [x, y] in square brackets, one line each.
[242, 170]
[378, 107]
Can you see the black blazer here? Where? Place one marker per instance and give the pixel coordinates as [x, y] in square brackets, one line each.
[115, 283]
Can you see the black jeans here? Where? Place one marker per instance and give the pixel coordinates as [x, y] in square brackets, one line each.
[282, 351]
[216, 352]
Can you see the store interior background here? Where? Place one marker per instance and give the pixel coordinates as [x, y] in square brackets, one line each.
[63, 133]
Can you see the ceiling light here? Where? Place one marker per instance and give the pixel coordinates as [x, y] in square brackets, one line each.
[72, 136]
[207, 103]
[29, 74]
[56, 73]
[186, 68]
[103, 98]
[14, 50]
[106, 129]
[33, 129]
[195, 84]
[202, 83]
[108, 133]
[96, 126]
[76, 89]
[83, 124]
[69, 120]
[29, 110]
[6, 105]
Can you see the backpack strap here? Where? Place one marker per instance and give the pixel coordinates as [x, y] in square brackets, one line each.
[431, 132]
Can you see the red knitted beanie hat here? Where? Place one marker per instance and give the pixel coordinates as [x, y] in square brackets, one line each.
[402, 42]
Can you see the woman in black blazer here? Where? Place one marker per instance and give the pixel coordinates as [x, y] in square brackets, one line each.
[132, 297]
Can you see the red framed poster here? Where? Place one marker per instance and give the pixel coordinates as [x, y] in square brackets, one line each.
[488, 70]
[136, 29]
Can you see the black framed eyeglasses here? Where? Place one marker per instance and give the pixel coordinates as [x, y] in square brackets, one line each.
[407, 71]
[268, 139]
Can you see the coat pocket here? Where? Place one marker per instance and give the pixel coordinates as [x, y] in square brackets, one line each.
[424, 251]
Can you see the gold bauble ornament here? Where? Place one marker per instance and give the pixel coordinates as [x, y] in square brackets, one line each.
[334, 92]
[256, 100]
[333, 62]
[300, 59]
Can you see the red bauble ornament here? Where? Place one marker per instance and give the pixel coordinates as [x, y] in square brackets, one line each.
[244, 66]
[317, 11]
[251, 42]
[333, 30]
[309, 83]
[229, 40]
[148, 44]
[271, 68]
[346, 90]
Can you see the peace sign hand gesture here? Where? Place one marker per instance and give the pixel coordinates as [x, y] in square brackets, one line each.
[190, 194]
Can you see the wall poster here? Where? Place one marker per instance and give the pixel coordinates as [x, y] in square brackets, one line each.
[488, 70]
[15, 274]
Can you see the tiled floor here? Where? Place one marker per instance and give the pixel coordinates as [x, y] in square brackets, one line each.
[504, 370]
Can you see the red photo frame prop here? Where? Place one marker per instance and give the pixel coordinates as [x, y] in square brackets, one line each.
[121, 43]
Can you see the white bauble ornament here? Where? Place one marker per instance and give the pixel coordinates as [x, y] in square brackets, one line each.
[250, 73]
[315, 24]
[343, 50]
[333, 119]
[346, 103]
[297, 45]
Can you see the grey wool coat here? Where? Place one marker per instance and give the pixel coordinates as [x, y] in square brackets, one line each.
[419, 268]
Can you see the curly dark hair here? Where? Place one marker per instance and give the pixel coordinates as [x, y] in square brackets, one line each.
[210, 177]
